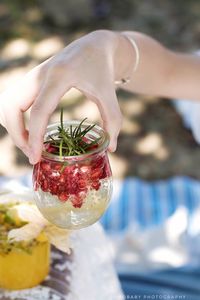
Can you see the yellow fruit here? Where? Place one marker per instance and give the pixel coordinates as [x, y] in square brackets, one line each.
[21, 270]
[12, 214]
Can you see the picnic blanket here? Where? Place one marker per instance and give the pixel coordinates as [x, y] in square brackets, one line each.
[154, 225]
[155, 229]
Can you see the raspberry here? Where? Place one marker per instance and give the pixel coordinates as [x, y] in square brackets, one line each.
[63, 196]
[98, 162]
[96, 174]
[96, 185]
[45, 166]
[44, 185]
[53, 188]
[82, 184]
[77, 201]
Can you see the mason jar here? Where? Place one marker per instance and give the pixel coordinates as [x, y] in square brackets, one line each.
[73, 191]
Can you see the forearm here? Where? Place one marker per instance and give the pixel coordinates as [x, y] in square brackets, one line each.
[160, 71]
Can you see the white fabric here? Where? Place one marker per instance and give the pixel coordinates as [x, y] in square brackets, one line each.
[93, 259]
[174, 243]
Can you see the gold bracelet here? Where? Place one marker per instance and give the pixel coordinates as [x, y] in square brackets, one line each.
[137, 59]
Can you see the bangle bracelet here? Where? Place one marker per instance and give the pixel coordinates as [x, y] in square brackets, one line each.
[137, 59]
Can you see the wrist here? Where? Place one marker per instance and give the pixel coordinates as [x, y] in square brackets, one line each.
[126, 58]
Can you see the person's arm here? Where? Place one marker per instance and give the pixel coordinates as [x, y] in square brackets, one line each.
[92, 64]
[163, 72]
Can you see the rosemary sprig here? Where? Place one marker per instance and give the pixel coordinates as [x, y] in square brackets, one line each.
[72, 141]
[61, 119]
[61, 148]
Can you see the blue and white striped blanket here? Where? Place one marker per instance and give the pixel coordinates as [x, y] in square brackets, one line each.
[149, 203]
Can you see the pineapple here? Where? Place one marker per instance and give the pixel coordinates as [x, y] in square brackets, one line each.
[23, 264]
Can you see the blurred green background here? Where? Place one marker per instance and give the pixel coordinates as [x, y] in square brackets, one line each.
[153, 143]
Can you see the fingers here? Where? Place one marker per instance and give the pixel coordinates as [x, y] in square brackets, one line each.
[43, 107]
[108, 106]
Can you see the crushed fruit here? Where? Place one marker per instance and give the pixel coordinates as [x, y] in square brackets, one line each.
[72, 182]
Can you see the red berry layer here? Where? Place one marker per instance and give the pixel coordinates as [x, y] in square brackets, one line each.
[72, 180]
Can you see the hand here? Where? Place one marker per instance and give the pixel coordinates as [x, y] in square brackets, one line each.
[88, 64]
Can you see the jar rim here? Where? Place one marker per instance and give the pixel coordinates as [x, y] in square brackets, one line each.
[102, 146]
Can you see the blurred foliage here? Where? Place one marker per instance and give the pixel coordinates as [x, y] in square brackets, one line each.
[17, 20]
[176, 23]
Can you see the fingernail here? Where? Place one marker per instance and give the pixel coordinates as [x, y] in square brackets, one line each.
[31, 161]
[112, 148]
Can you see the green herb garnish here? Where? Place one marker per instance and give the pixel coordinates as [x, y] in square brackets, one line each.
[72, 141]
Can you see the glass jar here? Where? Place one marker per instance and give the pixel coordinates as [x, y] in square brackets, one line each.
[73, 191]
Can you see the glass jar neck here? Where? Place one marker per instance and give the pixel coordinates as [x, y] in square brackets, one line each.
[95, 133]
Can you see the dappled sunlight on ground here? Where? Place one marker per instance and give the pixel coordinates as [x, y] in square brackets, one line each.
[152, 144]
[130, 127]
[133, 108]
[11, 76]
[119, 165]
[47, 47]
[16, 49]
[22, 48]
